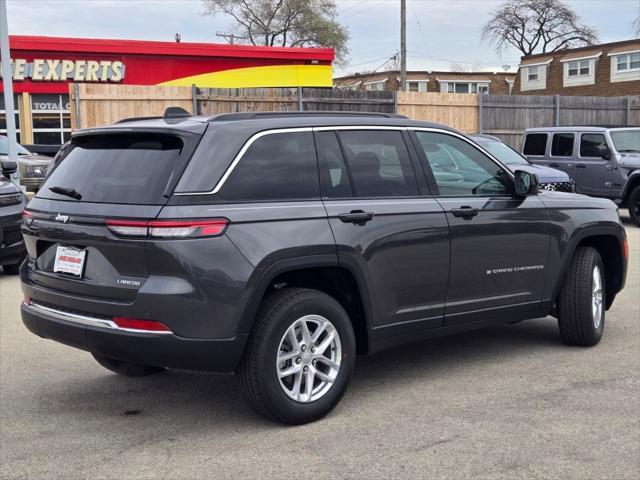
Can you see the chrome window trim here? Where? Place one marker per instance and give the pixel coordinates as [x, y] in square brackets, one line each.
[86, 320]
[263, 133]
[241, 153]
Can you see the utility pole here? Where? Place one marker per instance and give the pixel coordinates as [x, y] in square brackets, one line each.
[230, 37]
[7, 84]
[403, 44]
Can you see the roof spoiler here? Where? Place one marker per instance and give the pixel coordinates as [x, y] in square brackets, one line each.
[171, 113]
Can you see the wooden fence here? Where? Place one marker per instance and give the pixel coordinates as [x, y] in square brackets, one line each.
[93, 105]
[459, 110]
[505, 116]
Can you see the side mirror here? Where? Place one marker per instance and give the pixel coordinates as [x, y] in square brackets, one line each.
[526, 183]
[605, 153]
[9, 168]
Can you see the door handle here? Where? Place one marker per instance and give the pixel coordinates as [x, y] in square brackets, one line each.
[580, 165]
[554, 165]
[465, 212]
[358, 217]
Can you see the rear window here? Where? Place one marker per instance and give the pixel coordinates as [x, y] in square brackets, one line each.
[116, 168]
[535, 144]
[562, 145]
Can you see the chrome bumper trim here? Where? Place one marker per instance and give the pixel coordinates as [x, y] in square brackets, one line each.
[85, 320]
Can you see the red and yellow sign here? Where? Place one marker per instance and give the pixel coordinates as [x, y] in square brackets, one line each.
[47, 64]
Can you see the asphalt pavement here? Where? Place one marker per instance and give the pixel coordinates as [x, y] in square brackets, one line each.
[508, 402]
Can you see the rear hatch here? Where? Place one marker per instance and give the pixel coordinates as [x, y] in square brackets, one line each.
[107, 180]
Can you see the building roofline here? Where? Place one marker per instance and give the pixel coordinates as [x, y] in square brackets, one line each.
[578, 49]
[148, 47]
[421, 72]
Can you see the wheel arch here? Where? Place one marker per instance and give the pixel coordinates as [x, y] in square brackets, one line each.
[609, 243]
[633, 182]
[320, 272]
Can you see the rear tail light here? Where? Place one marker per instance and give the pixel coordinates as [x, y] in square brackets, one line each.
[142, 325]
[625, 249]
[168, 228]
[187, 228]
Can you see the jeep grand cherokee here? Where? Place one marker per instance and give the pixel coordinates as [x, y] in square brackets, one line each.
[282, 245]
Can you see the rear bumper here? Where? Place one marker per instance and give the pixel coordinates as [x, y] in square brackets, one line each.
[163, 350]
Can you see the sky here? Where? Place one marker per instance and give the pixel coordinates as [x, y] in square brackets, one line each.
[439, 32]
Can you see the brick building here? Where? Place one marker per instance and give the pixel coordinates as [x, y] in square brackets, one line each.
[610, 69]
[430, 81]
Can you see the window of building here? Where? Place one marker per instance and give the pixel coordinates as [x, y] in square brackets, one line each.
[591, 145]
[460, 169]
[466, 87]
[562, 145]
[3, 117]
[278, 166]
[375, 86]
[532, 73]
[355, 86]
[535, 144]
[416, 86]
[51, 119]
[627, 62]
[579, 68]
[379, 164]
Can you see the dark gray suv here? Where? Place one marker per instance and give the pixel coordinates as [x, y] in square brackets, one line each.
[282, 245]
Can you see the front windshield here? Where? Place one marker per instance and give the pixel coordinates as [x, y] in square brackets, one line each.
[502, 152]
[4, 147]
[626, 140]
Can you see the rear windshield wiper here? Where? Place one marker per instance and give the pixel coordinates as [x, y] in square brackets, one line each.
[69, 192]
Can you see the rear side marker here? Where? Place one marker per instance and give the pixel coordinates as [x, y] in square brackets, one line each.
[168, 228]
[132, 324]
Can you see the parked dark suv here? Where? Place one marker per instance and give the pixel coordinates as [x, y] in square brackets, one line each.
[282, 245]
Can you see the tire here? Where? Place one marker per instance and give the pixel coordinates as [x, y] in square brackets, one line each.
[634, 206]
[275, 396]
[126, 369]
[12, 269]
[581, 322]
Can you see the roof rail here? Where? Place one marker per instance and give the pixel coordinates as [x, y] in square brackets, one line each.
[228, 117]
[169, 114]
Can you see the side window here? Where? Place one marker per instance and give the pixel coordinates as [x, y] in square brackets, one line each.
[590, 144]
[379, 163]
[562, 145]
[535, 144]
[334, 175]
[278, 166]
[467, 171]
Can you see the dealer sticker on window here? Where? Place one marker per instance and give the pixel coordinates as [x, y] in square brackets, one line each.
[69, 260]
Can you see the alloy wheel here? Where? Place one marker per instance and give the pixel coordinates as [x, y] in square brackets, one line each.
[309, 357]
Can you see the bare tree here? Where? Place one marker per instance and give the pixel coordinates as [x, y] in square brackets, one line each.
[635, 26]
[537, 26]
[285, 23]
